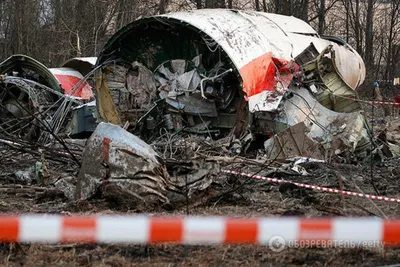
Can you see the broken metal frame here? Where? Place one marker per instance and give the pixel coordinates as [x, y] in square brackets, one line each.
[272, 44]
[197, 21]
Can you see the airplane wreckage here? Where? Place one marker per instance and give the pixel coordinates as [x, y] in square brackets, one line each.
[167, 86]
[238, 73]
[33, 96]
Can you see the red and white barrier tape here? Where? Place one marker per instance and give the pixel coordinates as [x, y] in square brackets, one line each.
[347, 232]
[394, 104]
[316, 187]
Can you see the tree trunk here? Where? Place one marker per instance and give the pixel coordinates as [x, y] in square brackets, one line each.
[357, 30]
[265, 5]
[321, 17]
[347, 20]
[162, 6]
[258, 5]
[297, 8]
[369, 36]
[215, 4]
[304, 14]
[394, 21]
[277, 6]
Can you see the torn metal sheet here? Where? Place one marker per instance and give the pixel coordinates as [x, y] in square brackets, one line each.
[293, 142]
[352, 74]
[113, 155]
[141, 84]
[242, 40]
[334, 93]
[83, 120]
[279, 75]
[352, 71]
[193, 105]
[73, 82]
[82, 64]
[36, 102]
[28, 91]
[265, 101]
[295, 164]
[125, 87]
[77, 74]
[32, 174]
[391, 137]
[196, 181]
[67, 185]
[307, 55]
[179, 77]
[335, 131]
[26, 67]
[59, 79]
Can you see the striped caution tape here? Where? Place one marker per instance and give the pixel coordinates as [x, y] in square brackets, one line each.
[316, 187]
[274, 232]
[394, 104]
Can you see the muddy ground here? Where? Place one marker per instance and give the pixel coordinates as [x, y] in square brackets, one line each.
[244, 198]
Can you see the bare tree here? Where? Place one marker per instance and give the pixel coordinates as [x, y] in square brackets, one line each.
[297, 8]
[199, 4]
[265, 6]
[215, 4]
[321, 17]
[393, 49]
[163, 5]
[55, 30]
[258, 8]
[354, 21]
[369, 35]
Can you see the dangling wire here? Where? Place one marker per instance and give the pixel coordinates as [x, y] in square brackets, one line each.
[210, 43]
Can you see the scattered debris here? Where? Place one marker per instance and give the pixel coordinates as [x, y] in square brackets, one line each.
[67, 185]
[28, 90]
[261, 98]
[182, 96]
[83, 120]
[112, 155]
[293, 142]
[34, 173]
[36, 102]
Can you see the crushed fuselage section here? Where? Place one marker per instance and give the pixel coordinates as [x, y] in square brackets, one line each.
[195, 73]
